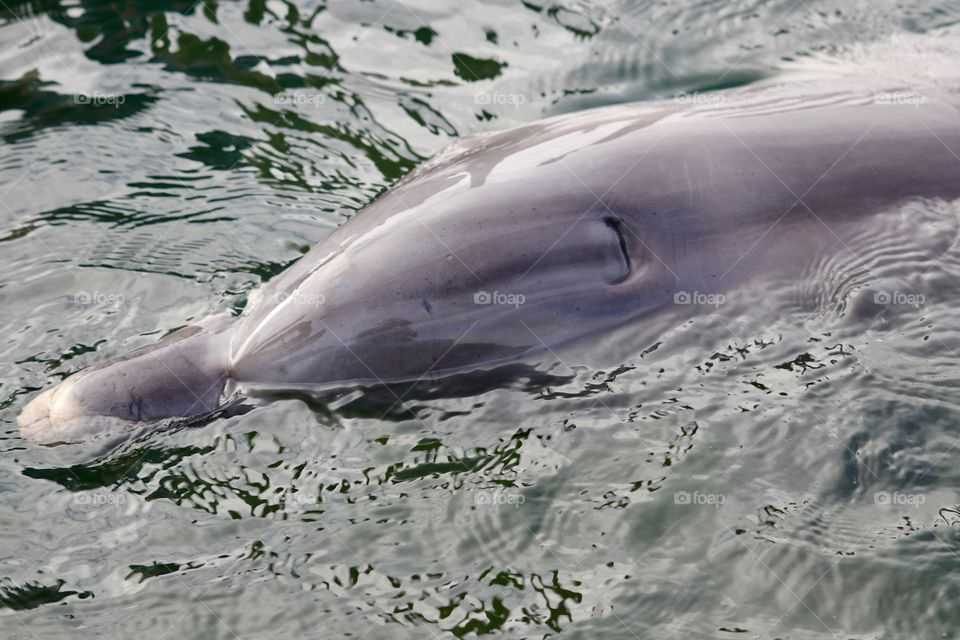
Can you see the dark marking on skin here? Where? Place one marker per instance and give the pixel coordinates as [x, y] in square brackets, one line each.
[136, 408]
[397, 326]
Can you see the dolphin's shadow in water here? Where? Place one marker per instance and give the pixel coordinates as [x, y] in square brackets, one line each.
[390, 400]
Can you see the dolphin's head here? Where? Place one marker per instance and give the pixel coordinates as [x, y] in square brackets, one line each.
[501, 246]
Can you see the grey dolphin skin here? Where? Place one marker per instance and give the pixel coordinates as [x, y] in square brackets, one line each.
[509, 244]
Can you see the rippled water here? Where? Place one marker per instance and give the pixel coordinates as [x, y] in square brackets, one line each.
[793, 477]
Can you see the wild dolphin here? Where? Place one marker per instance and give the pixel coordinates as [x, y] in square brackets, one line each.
[507, 244]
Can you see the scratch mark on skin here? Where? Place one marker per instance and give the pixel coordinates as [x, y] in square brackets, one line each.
[425, 303]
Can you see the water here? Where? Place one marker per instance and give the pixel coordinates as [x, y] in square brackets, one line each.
[790, 478]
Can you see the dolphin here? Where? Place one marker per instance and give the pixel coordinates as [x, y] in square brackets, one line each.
[511, 244]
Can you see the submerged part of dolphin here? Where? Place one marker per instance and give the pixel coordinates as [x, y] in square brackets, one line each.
[508, 244]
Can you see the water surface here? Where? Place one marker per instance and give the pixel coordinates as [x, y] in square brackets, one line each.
[794, 478]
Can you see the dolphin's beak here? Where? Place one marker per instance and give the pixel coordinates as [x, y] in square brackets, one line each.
[180, 376]
[34, 420]
[60, 415]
